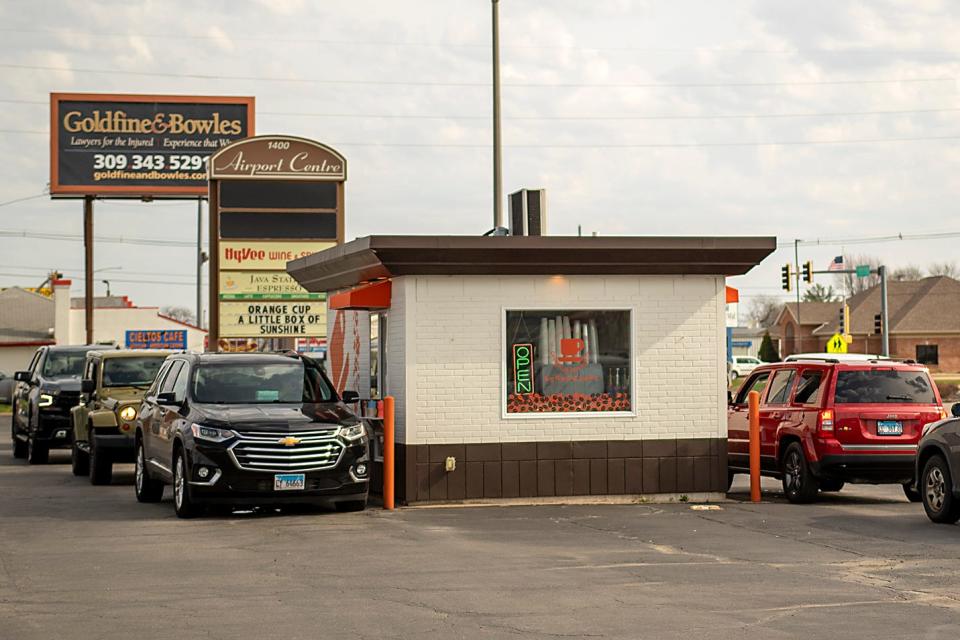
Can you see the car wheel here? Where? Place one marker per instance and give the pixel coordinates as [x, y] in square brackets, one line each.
[351, 505]
[831, 485]
[937, 491]
[37, 452]
[19, 446]
[101, 466]
[734, 375]
[730, 475]
[799, 485]
[183, 501]
[912, 494]
[148, 489]
[79, 461]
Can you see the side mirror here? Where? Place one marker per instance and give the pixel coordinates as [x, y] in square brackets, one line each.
[87, 386]
[349, 397]
[167, 397]
[955, 410]
[22, 376]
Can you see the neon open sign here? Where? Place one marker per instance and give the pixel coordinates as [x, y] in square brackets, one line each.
[523, 368]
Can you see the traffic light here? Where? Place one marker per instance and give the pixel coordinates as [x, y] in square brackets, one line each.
[878, 323]
[808, 272]
[786, 277]
[844, 320]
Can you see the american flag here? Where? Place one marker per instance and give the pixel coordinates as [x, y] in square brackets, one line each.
[836, 264]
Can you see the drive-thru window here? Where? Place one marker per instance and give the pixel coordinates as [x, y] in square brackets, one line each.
[526, 366]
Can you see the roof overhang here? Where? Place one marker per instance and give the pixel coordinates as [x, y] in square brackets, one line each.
[375, 257]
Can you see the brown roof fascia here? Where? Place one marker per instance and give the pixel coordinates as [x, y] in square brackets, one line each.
[373, 257]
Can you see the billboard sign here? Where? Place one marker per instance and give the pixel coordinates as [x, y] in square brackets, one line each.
[140, 145]
[297, 319]
[156, 339]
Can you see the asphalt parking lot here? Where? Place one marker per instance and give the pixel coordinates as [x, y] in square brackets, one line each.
[82, 562]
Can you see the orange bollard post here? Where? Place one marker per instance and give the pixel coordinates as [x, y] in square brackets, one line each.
[753, 409]
[388, 460]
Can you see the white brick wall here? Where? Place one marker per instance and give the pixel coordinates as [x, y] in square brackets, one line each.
[446, 349]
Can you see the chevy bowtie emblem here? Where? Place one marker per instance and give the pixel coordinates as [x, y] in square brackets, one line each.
[289, 441]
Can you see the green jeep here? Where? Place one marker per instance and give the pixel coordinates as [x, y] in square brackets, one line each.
[104, 422]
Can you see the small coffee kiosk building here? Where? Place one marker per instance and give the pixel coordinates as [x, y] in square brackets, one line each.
[540, 366]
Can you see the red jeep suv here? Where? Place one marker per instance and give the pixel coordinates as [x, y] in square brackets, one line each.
[825, 422]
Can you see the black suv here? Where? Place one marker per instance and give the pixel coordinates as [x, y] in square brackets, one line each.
[249, 429]
[42, 399]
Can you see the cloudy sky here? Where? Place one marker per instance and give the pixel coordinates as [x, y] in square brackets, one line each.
[835, 121]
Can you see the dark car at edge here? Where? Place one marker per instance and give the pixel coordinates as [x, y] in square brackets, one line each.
[249, 429]
[43, 396]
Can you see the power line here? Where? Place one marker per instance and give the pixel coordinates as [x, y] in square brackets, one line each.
[42, 235]
[302, 39]
[828, 242]
[484, 85]
[722, 116]
[645, 145]
[24, 199]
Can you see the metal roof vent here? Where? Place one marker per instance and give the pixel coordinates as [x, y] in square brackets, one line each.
[528, 212]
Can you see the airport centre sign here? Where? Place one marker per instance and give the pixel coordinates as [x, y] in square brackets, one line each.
[273, 199]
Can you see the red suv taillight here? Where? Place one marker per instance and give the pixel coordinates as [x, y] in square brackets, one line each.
[825, 421]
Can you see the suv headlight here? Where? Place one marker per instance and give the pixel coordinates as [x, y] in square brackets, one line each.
[45, 400]
[351, 432]
[128, 413]
[211, 434]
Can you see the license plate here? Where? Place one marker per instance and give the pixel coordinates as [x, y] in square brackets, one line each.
[889, 428]
[289, 482]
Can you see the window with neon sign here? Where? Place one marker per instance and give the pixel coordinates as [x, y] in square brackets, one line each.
[568, 361]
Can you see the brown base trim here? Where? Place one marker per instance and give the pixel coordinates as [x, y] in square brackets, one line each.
[547, 469]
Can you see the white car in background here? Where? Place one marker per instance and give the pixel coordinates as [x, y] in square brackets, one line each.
[742, 366]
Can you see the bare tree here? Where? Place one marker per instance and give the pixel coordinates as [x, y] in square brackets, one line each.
[945, 268]
[849, 283]
[763, 310]
[181, 314]
[908, 273]
[819, 293]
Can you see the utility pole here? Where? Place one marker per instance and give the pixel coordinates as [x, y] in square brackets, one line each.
[497, 143]
[884, 311]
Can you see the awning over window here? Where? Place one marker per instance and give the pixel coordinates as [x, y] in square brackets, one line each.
[369, 297]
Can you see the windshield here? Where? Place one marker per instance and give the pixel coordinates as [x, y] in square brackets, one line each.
[884, 386]
[64, 364]
[130, 372]
[250, 383]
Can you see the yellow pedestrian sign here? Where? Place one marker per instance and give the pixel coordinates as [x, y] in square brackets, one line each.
[836, 344]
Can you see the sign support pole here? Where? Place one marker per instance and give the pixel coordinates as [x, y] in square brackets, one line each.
[213, 329]
[200, 262]
[88, 266]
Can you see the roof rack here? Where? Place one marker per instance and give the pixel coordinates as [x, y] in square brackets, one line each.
[816, 359]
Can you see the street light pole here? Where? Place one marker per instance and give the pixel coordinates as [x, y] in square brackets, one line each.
[497, 144]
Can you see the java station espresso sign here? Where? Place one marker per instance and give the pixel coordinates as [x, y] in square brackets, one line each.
[272, 199]
[140, 145]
